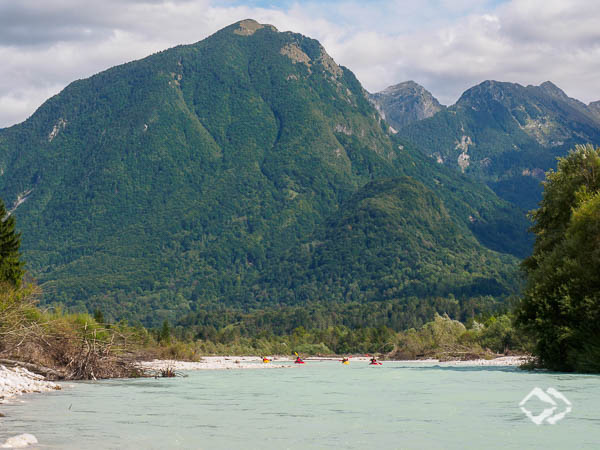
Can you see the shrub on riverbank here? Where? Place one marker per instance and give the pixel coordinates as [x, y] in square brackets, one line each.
[444, 338]
[69, 346]
[441, 338]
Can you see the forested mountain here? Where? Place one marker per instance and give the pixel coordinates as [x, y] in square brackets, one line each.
[405, 103]
[507, 135]
[402, 231]
[246, 170]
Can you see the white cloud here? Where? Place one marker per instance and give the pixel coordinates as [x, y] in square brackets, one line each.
[520, 41]
[446, 45]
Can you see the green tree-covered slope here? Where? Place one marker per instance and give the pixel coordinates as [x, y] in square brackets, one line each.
[187, 178]
[401, 231]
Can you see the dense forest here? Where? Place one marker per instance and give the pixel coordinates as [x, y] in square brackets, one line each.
[52, 342]
[80, 346]
[556, 319]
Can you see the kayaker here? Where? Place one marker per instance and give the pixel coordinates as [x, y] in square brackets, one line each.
[345, 361]
[374, 361]
[298, 360]
[265, 359]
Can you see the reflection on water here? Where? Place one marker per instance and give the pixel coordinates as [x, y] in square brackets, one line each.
[318, 405]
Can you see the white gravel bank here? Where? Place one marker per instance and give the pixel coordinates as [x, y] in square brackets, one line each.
[16, 381]
[254, 362]
[215, 363]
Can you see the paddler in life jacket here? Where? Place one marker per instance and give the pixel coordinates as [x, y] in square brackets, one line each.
[265, 359]
[298, 360]
[374, 361]
[345, 361]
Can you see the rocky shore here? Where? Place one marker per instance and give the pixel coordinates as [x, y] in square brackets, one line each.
[18, 380]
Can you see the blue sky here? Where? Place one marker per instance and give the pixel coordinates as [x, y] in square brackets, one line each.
[389, 13]
[445, 45]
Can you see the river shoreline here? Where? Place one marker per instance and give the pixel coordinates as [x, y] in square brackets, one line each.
[255, 362]
[17, 380]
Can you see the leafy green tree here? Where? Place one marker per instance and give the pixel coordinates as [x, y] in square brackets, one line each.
[500, 335]
[561, 304]
[11, 266]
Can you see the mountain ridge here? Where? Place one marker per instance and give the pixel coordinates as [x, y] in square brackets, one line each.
[183, 180]
[506, 135]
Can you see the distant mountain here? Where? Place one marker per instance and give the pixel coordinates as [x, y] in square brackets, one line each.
[507, 135]
[595, 108]
[191, 177]
[405, 103]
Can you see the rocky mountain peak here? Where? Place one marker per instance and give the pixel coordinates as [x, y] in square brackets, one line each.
[486, 91]
[552, 89]
[406, 86]
[248, 27]
[405, 103]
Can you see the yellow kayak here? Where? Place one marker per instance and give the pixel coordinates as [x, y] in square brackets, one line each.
[345, 362]
[266, 360]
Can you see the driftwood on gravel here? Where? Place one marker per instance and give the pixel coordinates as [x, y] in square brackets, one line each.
[87, 357]
[62, 346]
[59, 351]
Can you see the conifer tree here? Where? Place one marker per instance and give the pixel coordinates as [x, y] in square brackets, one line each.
[11, 266]
[164, 335]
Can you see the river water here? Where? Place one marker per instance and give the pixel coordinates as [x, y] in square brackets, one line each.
[319, 405]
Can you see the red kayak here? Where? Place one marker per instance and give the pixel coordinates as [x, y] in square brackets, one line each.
[298, 362]
[376, 364]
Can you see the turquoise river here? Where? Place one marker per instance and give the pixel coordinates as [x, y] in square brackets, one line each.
[319, 405]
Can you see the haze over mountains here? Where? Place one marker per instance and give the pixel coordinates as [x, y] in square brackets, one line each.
[250, 170]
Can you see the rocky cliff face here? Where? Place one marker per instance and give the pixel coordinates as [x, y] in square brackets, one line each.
[405, 103]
